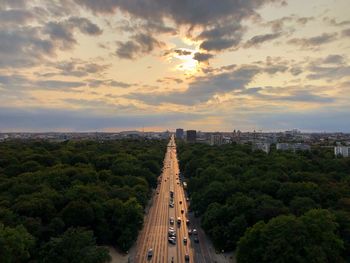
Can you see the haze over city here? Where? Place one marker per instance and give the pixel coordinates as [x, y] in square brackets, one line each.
[84, 65]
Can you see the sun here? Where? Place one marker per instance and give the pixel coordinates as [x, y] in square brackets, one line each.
[187, 63]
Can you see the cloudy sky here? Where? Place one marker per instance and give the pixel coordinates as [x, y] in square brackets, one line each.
[110, 65]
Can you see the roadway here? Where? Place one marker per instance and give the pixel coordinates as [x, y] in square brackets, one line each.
[154, 234]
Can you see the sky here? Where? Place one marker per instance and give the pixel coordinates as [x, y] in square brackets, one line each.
[112, 65]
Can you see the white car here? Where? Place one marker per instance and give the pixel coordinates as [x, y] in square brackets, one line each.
[150, 253]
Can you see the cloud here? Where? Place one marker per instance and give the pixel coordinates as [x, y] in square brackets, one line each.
[13, 3]
[22, 83]
[62, 32]
[202, 89]
[334, 59]
[218, 32]
[346, 32]
[182, 52]
[202, 57]
[46, 119]
[14, 17]
[23, 47]
[170, 80]
[259, 39]
[85, 26]
[221, 37]
[193, 12]
[74, 67]
[334, 22]
[140, 44]
[314, 41]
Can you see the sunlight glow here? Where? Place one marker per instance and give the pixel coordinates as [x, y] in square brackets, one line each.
[188, 64]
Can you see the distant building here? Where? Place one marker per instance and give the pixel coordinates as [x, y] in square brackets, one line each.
[179, 133]
[216, 139]
[342, 151]
[301, 147]
[292, 147]
[263, 146]
[282, 146]
[191, 136]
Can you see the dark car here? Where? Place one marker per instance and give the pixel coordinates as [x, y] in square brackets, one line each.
[196, 240]
[150, 253]
[172, 240]
[187, 258]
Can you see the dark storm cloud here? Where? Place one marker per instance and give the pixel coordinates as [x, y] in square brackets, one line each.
[139, 45]
[314, 41]
[202, 57]
[259, 39]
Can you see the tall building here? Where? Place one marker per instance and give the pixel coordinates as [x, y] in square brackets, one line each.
[342, 151]
[191, 136]
[179, 133]
[263, 146]
[216, 139]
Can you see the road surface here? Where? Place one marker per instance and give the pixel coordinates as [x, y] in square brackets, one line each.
[154, 235]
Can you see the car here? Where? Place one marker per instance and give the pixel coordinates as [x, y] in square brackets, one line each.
[187, 199]
[178, 220]
[190, 231]
[150, 253]
[196, 240]
[187, 222]
[182, 211]
[171, 220]
[172, 240]
[171, 234]
[171, 229]
[195, 231]
[171, 205]
[185, 240]
[187, 258]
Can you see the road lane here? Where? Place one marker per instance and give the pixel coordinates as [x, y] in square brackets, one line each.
[154, 234]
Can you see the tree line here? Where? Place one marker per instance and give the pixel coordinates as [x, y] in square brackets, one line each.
[276, 207]
[62, 202]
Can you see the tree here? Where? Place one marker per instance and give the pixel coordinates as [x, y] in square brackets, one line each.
[15, 244]
[78, 213]
[76, 245]
[286, 239]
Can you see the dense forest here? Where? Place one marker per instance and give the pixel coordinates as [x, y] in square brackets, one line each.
[60, 202]
[277, 207]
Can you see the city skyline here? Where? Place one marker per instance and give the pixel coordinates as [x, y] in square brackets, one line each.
[79, 65]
